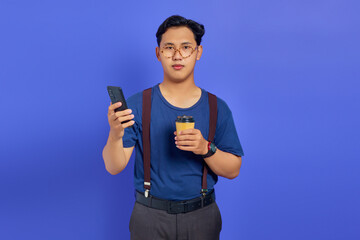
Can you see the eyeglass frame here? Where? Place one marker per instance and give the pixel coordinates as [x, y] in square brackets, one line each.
[176, 49]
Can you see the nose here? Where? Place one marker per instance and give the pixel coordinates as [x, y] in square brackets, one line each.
[177, 55]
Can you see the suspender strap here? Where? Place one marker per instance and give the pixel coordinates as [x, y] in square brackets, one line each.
[146, 115]
[212, 129]
[213, 116]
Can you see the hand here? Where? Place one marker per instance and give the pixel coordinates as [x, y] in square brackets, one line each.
[191, 140]
[115, 120]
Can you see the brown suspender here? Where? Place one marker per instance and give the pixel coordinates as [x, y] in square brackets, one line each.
[146, 115]
[212, 129]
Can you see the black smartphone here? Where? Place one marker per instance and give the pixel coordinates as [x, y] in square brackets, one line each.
[116, 95]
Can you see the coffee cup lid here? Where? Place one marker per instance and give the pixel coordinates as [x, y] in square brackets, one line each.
[185, 118]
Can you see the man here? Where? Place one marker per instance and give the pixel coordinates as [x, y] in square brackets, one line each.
[176, 160]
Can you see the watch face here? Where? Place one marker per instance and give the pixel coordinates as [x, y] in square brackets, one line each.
[213, 147]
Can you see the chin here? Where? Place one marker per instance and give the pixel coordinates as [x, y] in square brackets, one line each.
[177, 79]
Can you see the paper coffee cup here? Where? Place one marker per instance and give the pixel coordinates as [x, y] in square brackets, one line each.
[184, 122]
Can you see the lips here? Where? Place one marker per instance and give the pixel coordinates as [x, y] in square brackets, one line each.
[177, 66]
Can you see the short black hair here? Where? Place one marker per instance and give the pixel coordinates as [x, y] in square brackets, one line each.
[177, 21]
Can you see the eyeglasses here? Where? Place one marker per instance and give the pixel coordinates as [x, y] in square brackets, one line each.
[185, 51]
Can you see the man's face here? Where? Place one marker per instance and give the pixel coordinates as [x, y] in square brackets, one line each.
[178, 67]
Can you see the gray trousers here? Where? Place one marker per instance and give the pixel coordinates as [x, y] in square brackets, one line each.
[152, 224]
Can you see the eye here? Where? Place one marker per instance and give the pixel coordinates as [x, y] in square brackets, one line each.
[168, 47]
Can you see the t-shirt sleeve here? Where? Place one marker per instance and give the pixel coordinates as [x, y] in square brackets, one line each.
[130, 137]
[131, 134]
[226, 137]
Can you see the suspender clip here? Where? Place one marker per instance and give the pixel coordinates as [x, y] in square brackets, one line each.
[204, 191]
[147, 189]
[146, 193]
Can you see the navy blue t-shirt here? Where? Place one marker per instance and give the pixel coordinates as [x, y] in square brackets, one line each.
[176, 174]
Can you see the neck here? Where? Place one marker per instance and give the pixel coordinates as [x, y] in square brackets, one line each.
[183, 94]
[179, 88]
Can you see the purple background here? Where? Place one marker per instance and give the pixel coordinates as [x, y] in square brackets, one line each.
[289, 71]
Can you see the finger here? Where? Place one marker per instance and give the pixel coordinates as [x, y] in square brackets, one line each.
[186, 137]
[115, 105]
[128, 124]
[186, 148]
[123, 119]
[185, 143]
[188, 131]
[112, 117]
[123, 113]
[112, 107]
[116, 115]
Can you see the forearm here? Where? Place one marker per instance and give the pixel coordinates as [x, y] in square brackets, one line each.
[114, 156]
[224, 164]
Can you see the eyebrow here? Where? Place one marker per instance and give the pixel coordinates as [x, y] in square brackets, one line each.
[184, 43]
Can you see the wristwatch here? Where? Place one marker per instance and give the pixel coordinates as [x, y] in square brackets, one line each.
[211, 150]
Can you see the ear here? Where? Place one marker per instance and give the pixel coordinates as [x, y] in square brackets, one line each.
[199, 52]
[157, 52]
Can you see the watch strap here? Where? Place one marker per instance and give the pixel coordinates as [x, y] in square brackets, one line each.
[211, 150]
